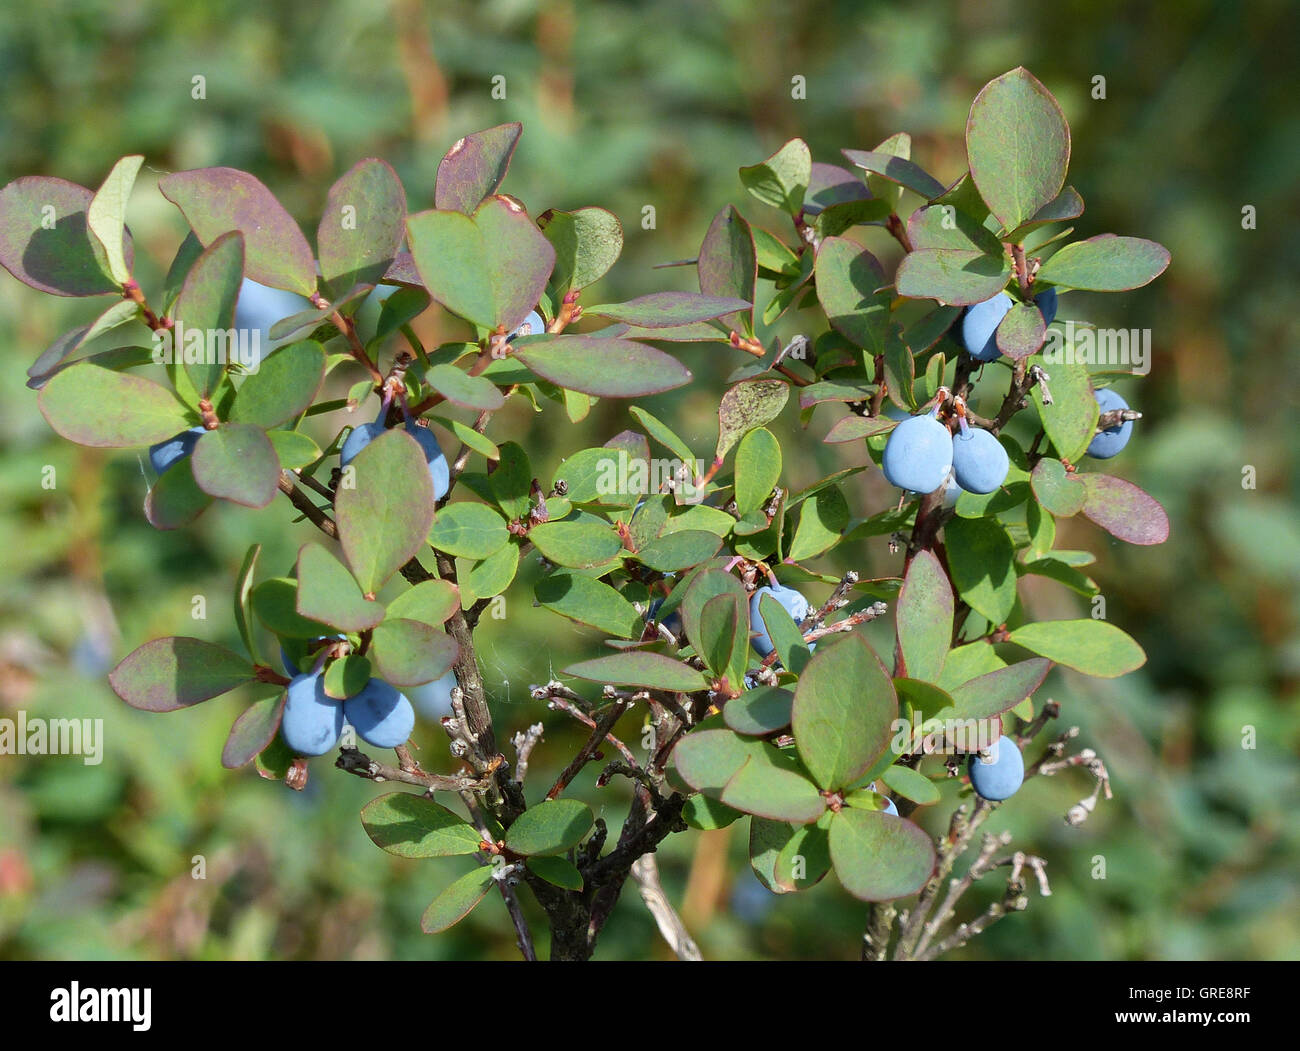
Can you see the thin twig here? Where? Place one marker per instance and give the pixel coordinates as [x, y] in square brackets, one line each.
[645, 870]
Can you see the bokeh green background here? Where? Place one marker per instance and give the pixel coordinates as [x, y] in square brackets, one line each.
[627, 105]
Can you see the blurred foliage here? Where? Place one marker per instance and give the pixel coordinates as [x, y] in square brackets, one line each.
[627, 105]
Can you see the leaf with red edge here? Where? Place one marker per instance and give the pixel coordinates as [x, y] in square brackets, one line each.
[474, 167]
[45, 240]
[173, 673]
[607, 368]
[255, 728]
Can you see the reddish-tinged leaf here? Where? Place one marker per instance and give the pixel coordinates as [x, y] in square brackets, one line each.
[168, 674]
[1124, 510]
[54, 258]
[607, 368]
[474, 167]
[253, 731]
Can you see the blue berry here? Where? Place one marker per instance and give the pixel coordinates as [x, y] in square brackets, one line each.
[793, 603]
[532, 325]
[381, 715]
[890, 808]
[433, 699]
[1002, 778]
[1046, 302]
[313, 721]
[979, 327]
[918, 454]
[356, 441]
[979, 461]
[439, 471]
[1111, 441]
[168, 454]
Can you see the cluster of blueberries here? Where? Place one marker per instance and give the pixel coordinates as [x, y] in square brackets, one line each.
[313, 721]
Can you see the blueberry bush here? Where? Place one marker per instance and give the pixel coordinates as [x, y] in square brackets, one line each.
[696, 571]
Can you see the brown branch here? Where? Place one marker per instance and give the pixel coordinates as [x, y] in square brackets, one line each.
[300, 500]
[645, 871]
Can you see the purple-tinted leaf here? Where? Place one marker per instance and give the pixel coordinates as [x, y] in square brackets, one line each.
[474, 167]
[255, 728]
[217, 200]
[237, 462]
[829, 185]
[1022, 331]
[855, 428]
[93, 406]
[206, 306]
[490, 268]
[59, 354]
[410, 652]
[1018, 144]
[651, 670]
[924, 618]
[175, 499]
[403, 272]
[168, 674]
[953, 276]
[747, 406]
[1124, 510]
[385, 515]
[362, 227]
[45, 241]
[1067, 205]
[1106, 263]
[607, 368]
[999, 691]
[327, 593]
[898, 170]
[665, 309]
[728, 265]
[284, 386]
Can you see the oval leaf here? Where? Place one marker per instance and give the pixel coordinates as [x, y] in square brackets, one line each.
[550, 827]
[607, 368]
[1089, 646]
[879, 857]
[94, 406]
[412, 826]
[237, 462]
[167, 674]
[1124, 510]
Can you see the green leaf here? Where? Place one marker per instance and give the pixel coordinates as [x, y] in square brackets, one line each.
[293, 449]
[460, 388]
[255, 728]
[489, 577]
[362, 226]
[587, 243]
[728, 265]
[175, 499]
[480, 443]
[588, 601]
[952, 276]
[899, 170]
[1066, 205]
[475, 167]
[782, 179]
[632, 668]
[1106, 263]
[679, 550]
[949, 225]
[909, 784]
[1089, 646]
[745, 407]
[490, 268]
[981, 560]
[924, 615]
[511, 481]
[766, 787]
[1071, 420]
[206, 307]
[999, 690]
[666, 309]
[707, 814]
[1063, 494]
[283, 387]
[550, 827]
[346, 677]
[606, 368]
[275, 602]
[168, 674]
[468, 530]
[849, 287]
[1124, 510]
[237, 462]
[410, 652]
[45, 240]
[413, 826]
[94, 406]
[457, 901]
[855, 428]
[430, 602]
[844, 705]
[580, 544]
[384, 517]
[761, 711]
[1018, 144]
[879, 857]
[1022, 332]
[327, 593]
[758, 468]
[786, 637]
[723, 629]
[558, 871]
[243, 607]
[708, 759]
[821, 524]
[663, 434]
[106, 216]
[217, 200]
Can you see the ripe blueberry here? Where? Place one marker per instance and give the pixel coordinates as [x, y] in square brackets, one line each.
[918, 454]
[1001, 778]
[356, 441]
[979, 326]
[1047, 304]
[794, 604]
[381, 715]
[313, 722]
[173, 450]
[1111, 441]
[979, 461]
[532, 325]
[439, 472]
